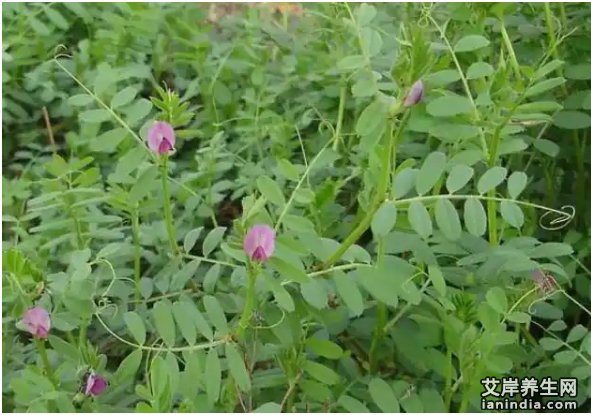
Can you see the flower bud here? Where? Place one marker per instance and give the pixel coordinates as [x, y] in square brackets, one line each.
[415, 94]
[95, 384]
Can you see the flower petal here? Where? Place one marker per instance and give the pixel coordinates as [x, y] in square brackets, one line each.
[37, 322]
[164, 146]
[159, 132]
[99, 386]
[415, 94]
[89, 384]
[259, 242]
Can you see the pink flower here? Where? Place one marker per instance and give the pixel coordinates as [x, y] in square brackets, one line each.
[37, 322]
[161, 137]
[95, 384]
[415, 94]
[259, 243]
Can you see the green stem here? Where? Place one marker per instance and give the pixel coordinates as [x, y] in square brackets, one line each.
[476, 114]
[82, 336]
[550, 29]
[479, 197]
[45, 360]
[378, 335]
[404, 309]
[580, 181]
[491, 207]
[464, 403]
[101, 103]
[448, 392]
[341, 112]
[79, 238]
[563, 20]
[194, 347]
[68, 201]
[378, 197]
[135, 229]
[381, 317]
[167, 207]
[249, 302]
[528, 335]
[511, 51]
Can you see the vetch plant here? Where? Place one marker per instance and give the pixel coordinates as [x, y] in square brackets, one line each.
[355, 208]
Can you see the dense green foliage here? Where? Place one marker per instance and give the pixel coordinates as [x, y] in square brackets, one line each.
[406, 236]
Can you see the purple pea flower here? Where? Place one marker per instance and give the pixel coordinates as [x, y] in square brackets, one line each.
[95, 385]
[259, 242]
[415, 94]
[37, 322]
[161, 137]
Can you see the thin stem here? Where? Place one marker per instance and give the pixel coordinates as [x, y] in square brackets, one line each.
[381, 317]
[167, 207]
[563, 20]
[45, 360]
[341, 112]
[298, 185]
[249, 302]
[464, 81]
[581, 306]
[572, 349]
[344, 267]
[378, 335]
[287, 398]
[188, 291]
[404, 309]
[105, 106]
[550, 28]
[378, 197]
[362, 45]
[491, 214]
[135, 230]
[538, 136]
[448, 391]
[68, 199]
[159, 349]
[464, 403]
[480, 197]
[79, 238]
[49, 130]
[82, 336]
[579, 154]
[212, 261]
[580, 185]
[511, 51]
